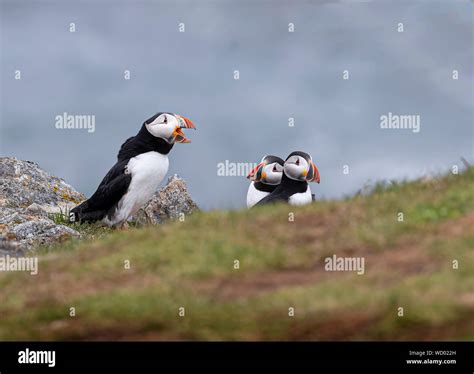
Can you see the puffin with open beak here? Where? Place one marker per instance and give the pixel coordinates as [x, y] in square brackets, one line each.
[142, 163]
[298, 170]
[265, 177]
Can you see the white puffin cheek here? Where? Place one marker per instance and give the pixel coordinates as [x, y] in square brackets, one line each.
[153, 129]
[304, 169]
[293, 171]
[166, 132]
[169, 132]
[161, 130]
[273, 177]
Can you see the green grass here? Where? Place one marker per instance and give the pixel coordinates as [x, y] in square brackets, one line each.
[191, 264]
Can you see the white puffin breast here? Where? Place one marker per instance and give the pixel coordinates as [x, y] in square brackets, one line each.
[254, 195]
[301, 198]
[147, 171]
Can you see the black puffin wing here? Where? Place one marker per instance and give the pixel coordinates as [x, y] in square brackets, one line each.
[114, 185]
[278, 195]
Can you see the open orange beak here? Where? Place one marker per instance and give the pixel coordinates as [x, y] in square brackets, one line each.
[256, 173]
[184, 123]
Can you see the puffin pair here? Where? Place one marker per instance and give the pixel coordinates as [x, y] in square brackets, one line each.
[275, 180]
[142, 163]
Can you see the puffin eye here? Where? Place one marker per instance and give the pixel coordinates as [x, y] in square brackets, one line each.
[274, 168]
[165, 120]
[298, 162]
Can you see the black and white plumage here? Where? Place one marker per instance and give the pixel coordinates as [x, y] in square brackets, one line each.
[265, 177]
[294, 189]
[142, 163]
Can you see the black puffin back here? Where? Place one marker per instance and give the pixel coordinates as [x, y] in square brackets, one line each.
[143, 142]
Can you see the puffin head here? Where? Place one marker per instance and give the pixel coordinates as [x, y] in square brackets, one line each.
[299, 166]
[268, 171]
[168, 126]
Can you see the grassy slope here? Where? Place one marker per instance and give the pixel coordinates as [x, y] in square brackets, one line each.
[190, 264]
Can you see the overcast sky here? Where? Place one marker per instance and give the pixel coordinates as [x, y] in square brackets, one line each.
[282, 75]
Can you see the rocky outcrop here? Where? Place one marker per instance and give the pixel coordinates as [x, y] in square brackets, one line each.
[171, 202]
[33, 204]
[29, 199]
[24, 183]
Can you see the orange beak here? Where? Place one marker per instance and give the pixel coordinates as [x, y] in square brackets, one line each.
[255, 174]
[188, 124]
[179, 136]
[184, 123]
[316, 177]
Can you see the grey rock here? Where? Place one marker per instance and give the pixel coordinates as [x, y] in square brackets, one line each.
[28, 197]
[23, 183]
[41, 232]
[171, 202]
[10, 216]
[10, 247]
